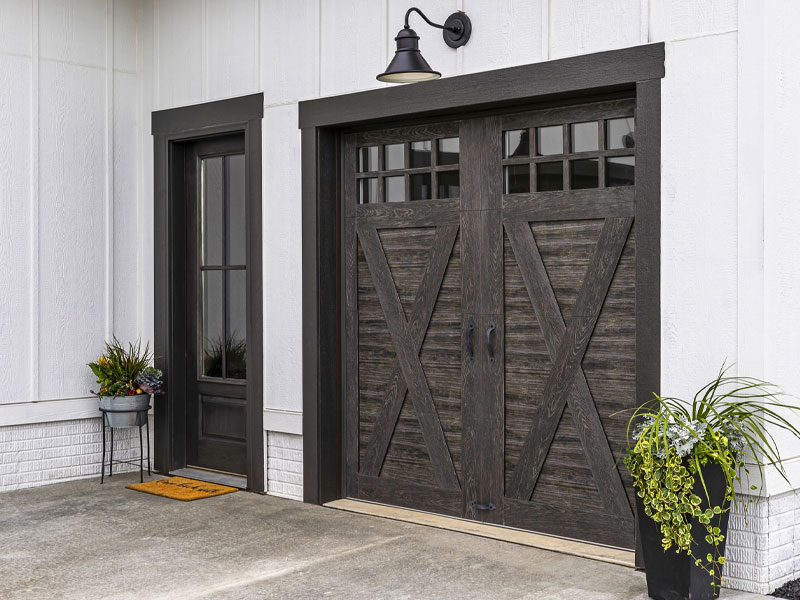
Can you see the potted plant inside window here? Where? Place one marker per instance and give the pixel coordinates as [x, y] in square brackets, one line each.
[127, 380]
[687, 461]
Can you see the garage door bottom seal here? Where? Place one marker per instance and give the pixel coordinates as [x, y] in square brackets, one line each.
[616, 556]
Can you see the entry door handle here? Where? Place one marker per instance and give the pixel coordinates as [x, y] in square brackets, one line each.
[470, 349]
[489, 345]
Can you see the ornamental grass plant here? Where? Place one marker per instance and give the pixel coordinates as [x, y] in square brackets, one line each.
[728, 424]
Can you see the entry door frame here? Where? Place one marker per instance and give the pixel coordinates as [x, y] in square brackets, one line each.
[567, 81]
[172, 129]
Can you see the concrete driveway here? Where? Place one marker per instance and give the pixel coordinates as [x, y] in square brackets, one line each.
[82, 540]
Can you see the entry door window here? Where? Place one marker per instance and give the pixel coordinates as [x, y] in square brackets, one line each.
[223, 268]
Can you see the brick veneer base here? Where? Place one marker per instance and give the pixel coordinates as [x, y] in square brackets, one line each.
[285, 465]
[42, 453]
[763, 545]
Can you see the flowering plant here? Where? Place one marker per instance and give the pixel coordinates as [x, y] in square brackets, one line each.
[127, 371]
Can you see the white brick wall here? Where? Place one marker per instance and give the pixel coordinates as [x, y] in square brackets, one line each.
[763, 545]
[285, 465]
[43, 453]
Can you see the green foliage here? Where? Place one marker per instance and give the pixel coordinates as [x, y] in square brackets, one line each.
[725, 424]
[119, 368]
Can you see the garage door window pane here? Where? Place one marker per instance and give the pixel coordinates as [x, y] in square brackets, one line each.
[368, 190]
[420, 154]
[620, 171]
[395, 189]
[448, 151]
[584, 174]
[394, 156]
[516, 143]
[620, 133]
[420, 186]
[448, 184]
[517, 179]
[584, 137]
[550, 176]
[367, 159]
[550, 140]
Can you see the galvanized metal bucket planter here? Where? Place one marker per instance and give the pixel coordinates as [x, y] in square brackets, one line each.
[130, 404]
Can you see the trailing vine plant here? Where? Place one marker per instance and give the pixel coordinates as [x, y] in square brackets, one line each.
[728, 424]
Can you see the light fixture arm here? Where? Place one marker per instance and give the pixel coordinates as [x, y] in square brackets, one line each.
[455, 28]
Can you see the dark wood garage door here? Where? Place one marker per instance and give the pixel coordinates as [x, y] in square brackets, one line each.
[490, 318]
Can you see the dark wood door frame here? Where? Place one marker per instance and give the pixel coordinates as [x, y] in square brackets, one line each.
[636, 70]
[171, 130]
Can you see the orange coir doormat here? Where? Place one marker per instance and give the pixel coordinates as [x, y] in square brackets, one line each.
[181, 488]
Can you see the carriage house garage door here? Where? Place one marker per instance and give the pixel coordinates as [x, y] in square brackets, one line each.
[489, 275]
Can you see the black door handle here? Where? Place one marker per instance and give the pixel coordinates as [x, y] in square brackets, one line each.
[470, 349]
[489, 346]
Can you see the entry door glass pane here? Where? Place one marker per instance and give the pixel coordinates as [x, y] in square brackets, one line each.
[235, 230]
[212, 192]
[213, 330]
[222, 301]
[236, 325]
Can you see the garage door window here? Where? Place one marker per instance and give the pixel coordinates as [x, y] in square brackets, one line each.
[412, 170]
[569, 156]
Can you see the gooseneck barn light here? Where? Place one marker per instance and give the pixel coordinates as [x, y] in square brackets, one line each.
[408, 66]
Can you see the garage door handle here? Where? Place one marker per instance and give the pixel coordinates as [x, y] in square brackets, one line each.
[489, 346]
[470, 350]
[476, 506]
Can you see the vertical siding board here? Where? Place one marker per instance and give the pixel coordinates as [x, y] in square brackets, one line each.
[584, 26]
[15, 228]
[72, 198]
[125, 214]
[179, 44]
[698, 321]
[289, 53]
[16, 19]
[504, 34]
[231, 51]
[671, 20]
[282, 269]
[73, 31]
[353, 36]
[126, 27]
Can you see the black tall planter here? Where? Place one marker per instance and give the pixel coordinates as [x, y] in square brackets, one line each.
[674, 576]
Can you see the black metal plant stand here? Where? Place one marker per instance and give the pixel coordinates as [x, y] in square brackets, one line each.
[111, 461]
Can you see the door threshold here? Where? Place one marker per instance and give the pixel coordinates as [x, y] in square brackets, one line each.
[229, 479]
[616, 556]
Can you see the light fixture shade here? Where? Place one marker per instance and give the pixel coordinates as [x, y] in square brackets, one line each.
[408, 65]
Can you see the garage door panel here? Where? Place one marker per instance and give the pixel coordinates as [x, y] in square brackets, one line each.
[407, 456]
[556, 518]
[409, 412]
[410, 494]
[496, 331]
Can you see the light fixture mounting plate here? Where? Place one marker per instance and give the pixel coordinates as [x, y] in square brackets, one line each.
[457, 29]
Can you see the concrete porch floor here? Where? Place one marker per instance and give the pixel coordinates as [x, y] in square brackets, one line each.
[83, 540]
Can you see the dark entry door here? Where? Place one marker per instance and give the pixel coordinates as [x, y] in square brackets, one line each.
[490, 318]
[216, 311]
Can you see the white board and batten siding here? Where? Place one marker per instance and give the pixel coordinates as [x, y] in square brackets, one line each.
[70, 194]
[76, 246]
